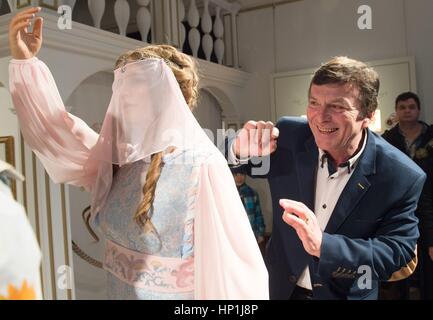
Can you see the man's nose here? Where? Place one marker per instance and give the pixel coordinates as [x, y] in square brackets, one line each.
[325, 113]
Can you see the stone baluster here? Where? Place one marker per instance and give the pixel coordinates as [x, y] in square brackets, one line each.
[235, 40]
[144, 19]
[206, 26]
[97, 9]
[122, 14]
[218, 31]
[182, 18]
[194, 34]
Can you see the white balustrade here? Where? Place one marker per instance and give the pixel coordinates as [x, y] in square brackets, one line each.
[15, 5]
[166, 18]
[219, 8]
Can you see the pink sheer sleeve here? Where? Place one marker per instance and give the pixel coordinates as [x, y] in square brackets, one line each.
[228, 262]
[60, 140]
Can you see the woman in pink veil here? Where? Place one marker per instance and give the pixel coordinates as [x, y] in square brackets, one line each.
[162, 194]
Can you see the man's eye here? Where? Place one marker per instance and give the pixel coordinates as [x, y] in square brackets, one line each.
[338, 107]
[313, 103]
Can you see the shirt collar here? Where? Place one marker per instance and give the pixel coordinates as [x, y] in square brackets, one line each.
[349, 164]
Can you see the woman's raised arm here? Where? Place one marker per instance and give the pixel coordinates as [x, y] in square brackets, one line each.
[60, 140]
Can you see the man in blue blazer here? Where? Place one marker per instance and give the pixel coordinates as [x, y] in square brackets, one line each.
[343, 198]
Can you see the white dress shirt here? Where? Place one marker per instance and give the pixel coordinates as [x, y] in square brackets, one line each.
[329, 186]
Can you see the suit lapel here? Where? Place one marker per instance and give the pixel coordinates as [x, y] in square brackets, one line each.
[351, 195]
[306, 162]
[356, 187]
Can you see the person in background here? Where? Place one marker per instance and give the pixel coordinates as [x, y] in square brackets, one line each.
[20, 256]
[409, 134]
[415, 139]
[251, 201]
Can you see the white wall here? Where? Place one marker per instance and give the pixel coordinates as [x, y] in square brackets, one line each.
[303, 34]
[257, 56]
[312, 31]
[419, 31]
[208, 113]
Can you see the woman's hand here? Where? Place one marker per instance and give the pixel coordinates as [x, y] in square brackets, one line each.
[22, 43]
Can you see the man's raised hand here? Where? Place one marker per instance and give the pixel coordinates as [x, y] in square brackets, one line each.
[256, 139]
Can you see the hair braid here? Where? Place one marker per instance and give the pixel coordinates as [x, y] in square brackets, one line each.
[142, 215]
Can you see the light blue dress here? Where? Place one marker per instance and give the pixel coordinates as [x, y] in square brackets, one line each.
[172, 217]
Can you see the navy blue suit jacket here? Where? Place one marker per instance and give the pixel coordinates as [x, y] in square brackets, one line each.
[372, 232]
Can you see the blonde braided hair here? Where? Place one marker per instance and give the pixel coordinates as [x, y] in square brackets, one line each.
[142, 214]
[182, 65]
[186, 74]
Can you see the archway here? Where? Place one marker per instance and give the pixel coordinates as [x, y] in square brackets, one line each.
[228, 108]
[209, 114]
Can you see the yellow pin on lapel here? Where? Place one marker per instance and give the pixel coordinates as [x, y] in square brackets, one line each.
[361, 186]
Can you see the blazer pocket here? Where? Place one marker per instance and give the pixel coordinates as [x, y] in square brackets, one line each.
[368, 225]
[369, 220]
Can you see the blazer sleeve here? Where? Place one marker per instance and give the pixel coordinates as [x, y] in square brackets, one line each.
[61, 141]
[228, 262]
[260, 167]
[390, 253]
[253, 166]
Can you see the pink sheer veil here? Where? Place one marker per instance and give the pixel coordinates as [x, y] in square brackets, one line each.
[146, 115]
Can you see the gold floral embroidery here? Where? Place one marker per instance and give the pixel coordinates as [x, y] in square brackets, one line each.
[25, 293]
[423, 153]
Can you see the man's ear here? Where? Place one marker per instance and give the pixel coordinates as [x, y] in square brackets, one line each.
[372, 118]
[368, 120]
[366, 123]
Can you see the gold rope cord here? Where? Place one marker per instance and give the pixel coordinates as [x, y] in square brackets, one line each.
[85, 256]
[86, 218]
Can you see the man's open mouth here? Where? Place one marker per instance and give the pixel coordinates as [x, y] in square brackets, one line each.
[327, 130]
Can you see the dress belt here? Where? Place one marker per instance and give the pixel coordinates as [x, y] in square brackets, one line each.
[154, 273]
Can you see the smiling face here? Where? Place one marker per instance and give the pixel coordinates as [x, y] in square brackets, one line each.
[335, 119]
[407, 111]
